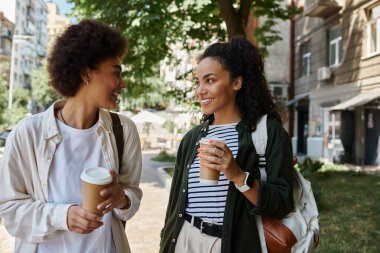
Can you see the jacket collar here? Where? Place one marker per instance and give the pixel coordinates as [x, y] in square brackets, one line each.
[50, 128]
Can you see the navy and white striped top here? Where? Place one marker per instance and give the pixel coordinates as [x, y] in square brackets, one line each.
[208, 201]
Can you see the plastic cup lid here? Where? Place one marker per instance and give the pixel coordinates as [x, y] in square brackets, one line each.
[205, 139]
[97, 175]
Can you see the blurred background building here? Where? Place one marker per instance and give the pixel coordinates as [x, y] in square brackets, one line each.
[337, 80]
[29, 37]
[56, 23]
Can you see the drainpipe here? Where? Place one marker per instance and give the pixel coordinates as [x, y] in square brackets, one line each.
[291, 76]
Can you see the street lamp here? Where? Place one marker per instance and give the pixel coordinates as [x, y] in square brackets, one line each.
[16, 38]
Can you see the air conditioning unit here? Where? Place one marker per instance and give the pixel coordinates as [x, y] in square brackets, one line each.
[324, 73]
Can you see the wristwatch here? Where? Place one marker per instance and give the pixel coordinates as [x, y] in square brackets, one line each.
[248, 182]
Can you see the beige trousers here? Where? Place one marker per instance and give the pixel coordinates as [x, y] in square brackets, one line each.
[191, 240]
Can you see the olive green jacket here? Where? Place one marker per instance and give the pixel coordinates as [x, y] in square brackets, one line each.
[239, 227]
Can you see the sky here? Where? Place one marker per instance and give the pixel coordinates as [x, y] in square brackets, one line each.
[64, 7]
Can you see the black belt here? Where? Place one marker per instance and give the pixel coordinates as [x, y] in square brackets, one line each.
[205, 227]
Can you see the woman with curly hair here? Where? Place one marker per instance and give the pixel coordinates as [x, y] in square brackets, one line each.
[233, 94]
[45, 154]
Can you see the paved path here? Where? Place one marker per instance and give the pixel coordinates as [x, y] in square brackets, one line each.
[143, 230]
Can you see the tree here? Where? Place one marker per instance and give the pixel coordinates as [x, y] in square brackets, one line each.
[42, 93]
[153, 26]
[3, 103]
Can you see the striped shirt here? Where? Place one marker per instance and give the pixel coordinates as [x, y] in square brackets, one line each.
[208, 201]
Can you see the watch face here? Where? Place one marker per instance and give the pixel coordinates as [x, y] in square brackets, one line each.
[250, 180]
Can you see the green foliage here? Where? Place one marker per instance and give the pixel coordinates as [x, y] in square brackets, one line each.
[163, 156]
[147, 96]
[170, 171]
[152, 27]
[4, 76]
[20, 104]
[19, 101]
[169, 125]
[3, 104]
[42, 93]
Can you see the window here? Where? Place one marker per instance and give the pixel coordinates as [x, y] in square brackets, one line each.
[277, 91]
[305, 59]
[373, 31]
[335, 46]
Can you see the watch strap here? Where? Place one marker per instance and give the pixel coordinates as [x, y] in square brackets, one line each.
[245, 187]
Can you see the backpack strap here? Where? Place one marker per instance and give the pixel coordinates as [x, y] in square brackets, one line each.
[117, 129]
[119, 135]
[259, 139]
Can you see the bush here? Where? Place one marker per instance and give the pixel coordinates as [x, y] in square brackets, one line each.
[163, 156]
[308, 169]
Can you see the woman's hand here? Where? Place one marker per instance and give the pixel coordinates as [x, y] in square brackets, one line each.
[82, 221]
[218, 156]
[116, 196]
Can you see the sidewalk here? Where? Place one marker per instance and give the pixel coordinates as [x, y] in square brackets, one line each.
[143, 230]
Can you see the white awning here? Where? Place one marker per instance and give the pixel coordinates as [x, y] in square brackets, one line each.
[297, 98]
[361, 99]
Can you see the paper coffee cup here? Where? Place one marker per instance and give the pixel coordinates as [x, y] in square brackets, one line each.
[206, 175]
[93, 181]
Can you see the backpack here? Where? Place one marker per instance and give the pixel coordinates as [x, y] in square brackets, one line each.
[303, 221]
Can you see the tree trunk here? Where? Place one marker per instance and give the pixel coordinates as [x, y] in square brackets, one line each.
[236, 21]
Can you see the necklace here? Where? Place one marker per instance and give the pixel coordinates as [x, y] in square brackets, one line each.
[60, 113]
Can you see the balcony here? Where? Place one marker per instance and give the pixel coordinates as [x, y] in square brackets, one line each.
[320, 8]
[5, 52]
[7, 34]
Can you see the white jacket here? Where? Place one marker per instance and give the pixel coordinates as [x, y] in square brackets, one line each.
[24, 174]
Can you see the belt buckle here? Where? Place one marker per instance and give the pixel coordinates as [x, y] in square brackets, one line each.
[201, 227]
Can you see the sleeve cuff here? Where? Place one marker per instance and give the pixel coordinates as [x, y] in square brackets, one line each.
[127, 213]
[61, 217]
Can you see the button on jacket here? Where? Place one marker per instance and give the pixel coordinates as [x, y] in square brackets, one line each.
[239, 232]
[24, 175]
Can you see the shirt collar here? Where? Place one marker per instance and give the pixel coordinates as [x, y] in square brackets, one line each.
[50, 128]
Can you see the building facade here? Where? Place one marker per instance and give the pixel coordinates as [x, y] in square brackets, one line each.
[56, 23]
[337, 81]
[29, 39]
[6, 33]
[277, 65]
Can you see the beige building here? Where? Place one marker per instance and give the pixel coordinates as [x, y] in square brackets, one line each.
[6, 33]
[337, 80]
[56, 23]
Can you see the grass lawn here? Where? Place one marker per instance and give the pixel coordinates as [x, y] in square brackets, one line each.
[349, 212]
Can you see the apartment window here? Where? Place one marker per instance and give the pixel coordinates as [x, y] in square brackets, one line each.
[373, 31]
[305, 59]
[277, 91]
[335, 46]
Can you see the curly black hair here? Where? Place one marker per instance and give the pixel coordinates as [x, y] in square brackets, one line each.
[241, 58]
[81, 46]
